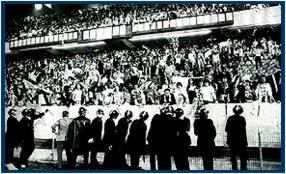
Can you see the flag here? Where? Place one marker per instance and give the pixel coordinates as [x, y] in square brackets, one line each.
[30, 85]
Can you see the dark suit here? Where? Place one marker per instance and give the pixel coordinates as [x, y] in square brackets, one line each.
[166, 141]
[183, 142]
[206, 133]
[109, 141]
[12, 137]
[27, 135]
[78, 134]
[136, 141]
[119, 146]
[96, 129]
[237, 140]
[153, 138]
[167, 99]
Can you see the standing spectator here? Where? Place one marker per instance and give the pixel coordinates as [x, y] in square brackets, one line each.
[208, 93]
[136, 140]
[236, 138]
[78, 94]
[181, 95]
[78, 135]
[12, 138]
[223, 90]
[183, 140]
[258, 51]
[27, 135]
[109, 138]
[206, 132]
[264, 91]
[96, 128]
[191, 91]
[60, 128]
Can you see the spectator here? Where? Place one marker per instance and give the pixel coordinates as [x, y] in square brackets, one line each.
[264, 91]
[167, 97]
[208, 93]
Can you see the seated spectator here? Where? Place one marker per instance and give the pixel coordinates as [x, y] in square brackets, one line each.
[167, 98]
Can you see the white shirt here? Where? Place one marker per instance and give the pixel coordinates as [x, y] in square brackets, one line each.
[208, 93]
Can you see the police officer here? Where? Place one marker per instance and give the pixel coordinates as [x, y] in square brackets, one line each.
[153, 137]
[136, 140]
[12, 138]
[96, 129]
[109, 140]
[27, 134]
[79, 133]
[206, 132]
[121, 133]
[236, 138]
[166, 139]
[183, 140]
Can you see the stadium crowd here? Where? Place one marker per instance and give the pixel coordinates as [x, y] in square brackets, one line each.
[107, 15]
[235, 70]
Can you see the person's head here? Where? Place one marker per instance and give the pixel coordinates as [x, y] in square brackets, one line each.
[12, 112]
[78, 86]
[190, 81]
[144, 115]
[113, 114]
[179, 112]
[167, 91]
[65, 114]
[206, 82]
[179, 85]
[204, 113]
[128, 114]
[169, 110]
[82, 111]
[24, 112]
[135, 86]
[237, 110]
[224, 79]
[100, 113]
[116, 88]
[263, 79]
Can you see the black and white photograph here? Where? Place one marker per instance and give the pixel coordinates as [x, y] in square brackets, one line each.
[143, 86]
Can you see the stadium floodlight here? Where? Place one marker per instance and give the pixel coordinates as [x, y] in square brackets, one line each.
[38, 6]
[48, 5]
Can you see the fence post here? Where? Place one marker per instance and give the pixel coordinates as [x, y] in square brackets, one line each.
[259, 140]
[53, 148]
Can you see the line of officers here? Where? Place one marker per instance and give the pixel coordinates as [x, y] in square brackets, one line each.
[168, 137]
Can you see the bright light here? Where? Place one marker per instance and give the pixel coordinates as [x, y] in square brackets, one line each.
[38, 6]
[48, 5]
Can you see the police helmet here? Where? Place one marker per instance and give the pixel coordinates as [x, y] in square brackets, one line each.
[203, 113]
[144, 115]
[82, 111]
[114, 114]
[100, 111]
[179, 112]
[237, 109]
[169, 110]
[24, 112]
[128, 114]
